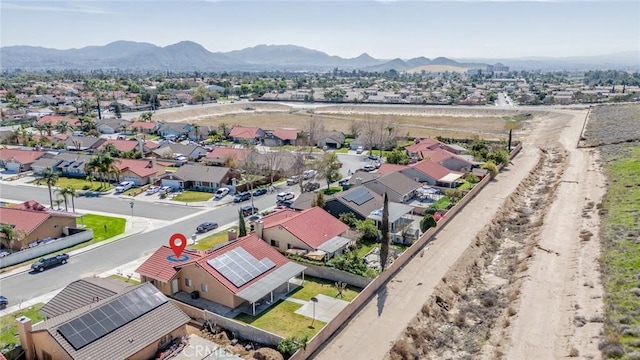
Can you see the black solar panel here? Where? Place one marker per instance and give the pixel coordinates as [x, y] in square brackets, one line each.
[363, 198]
[240, 267]
[102, 320]
[355, 193]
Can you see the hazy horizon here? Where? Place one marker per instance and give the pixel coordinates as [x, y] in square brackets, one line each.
[471, 29]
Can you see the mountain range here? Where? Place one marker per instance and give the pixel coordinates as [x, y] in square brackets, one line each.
[190, 56]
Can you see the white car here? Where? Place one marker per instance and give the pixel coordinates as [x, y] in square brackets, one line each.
[283, 196]
[222, 192]
[124, 186]
[152, 190]
[309, 174]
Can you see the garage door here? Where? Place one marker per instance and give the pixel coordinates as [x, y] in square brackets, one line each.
[133, 179]
[176, 184]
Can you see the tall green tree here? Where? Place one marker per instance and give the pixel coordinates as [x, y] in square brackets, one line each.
[329, 168]
[10, 235]
[384, 228]
[242, 226]
[320, 200]
[63, 127]
[427, 222]
[50, 178]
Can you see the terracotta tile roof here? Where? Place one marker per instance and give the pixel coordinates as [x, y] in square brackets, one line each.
[147, 125]
[432, 169]
[439, 155]
[55, 120]
[243, 132]
[20, 156]
[24, 220]
[424, 144]
[158, 267]
[286, 134]
[313, 226]
[389, 168]
[151, 145]
[121, 145]
[142, 168]
[255, 246]
[80, 293]
[31, 205]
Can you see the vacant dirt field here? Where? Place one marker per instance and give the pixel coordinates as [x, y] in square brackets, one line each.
[419, 121]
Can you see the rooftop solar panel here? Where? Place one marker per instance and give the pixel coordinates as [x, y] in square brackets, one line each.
[355, 193]
[104, 319]
[240, 267]
[363, 198]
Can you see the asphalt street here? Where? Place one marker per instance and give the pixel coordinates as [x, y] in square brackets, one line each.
[26, 286]
[110, 204]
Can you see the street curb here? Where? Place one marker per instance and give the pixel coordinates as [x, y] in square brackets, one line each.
[26, 269]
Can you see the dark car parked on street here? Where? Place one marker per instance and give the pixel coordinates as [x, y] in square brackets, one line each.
[242, 197]
[248, 210]
[46, 263]
[206, 226]
[259, 192]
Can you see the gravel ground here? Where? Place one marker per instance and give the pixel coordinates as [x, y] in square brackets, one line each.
[612, 124]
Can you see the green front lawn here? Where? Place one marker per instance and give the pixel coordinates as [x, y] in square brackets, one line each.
[213, 240]
[442, 204]
[9, 329]
[332, 190]
[282, 320]
[193, 196]
[342, 150]
[313, 286]
[79, 184]
[115, 226]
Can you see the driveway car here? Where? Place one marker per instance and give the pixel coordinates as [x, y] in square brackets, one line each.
[344, 182]
[310, 186]
[3, 253]
[45, 263]
[241, 197]
[248, 210]
[359, 150]
[309, 174]
[293, 180]
[260, 192]
[283, 196]
[206, 226]
[373, 157]
[369, 167]
[165, 190]
[152, 190]
[222, 192]
[124, 186]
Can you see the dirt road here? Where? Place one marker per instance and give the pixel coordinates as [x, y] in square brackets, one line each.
[371, 333]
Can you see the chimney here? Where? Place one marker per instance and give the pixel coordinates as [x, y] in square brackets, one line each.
[232, 235]
[26, 339]
[258, 227]
[358, 181]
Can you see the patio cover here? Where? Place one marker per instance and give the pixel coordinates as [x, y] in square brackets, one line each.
[334, 244]
[449, 178]
[267, 284]
[396, 211]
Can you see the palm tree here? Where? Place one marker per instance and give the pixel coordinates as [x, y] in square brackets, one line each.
[40, 128]
[48, 127]
[68, 191]
[57, 202]
[63, 127]
[50, 178]
[10, 235]
[196, 129]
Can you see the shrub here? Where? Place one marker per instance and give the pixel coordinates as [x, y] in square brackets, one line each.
[368, 230]
[491, 167]
[471, 178]
[349, 219]
[86, 187]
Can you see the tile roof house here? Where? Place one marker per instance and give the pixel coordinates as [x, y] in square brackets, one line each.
[346, 202]
[173, 129]
[112, 126]
[135, 323]
[246, 133]
[146, 127]
[140, 172]
[222, 156]
[387, 168]
[124, 146]
[432, 173]
[54, 120]
[331, 139]
[192, 152]
[198, 177]
[17, 160]
[34, 221]
[312, 230]
[280, 137]
[83, 143]
[430, 144]
[239, 272]
[399, 187]
[447, 159]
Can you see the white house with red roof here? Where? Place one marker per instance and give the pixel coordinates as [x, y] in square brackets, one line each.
[245, 271]
[140, 172]
[146, 127]
[280, 137]
[17, 160]
[246, 133]
[414, 150]
[313, 231]
[432, 173]
[447, 159]
[125, 145]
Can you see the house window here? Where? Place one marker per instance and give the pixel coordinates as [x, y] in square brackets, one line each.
[187, 282]
[275, 243]
[204, 287]
[289, 246]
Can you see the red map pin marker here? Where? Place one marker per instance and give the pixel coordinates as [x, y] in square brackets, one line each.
[177, 242]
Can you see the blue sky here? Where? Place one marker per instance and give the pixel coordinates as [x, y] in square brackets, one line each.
[384, 28]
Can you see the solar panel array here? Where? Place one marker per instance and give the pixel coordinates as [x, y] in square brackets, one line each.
[355, 193]
[363, 198]
[106, 318]
[240, 267]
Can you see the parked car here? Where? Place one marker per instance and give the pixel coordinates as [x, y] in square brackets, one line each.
[359, 150]
[293, 180]
[285, 204]
[241, 197]
[345, 181]
[3, 253]
[222, 192]
[206, 226]
[253, 218]
[165, 190]
[3, 302]
[46, 263]
[259, 192]
[310, 186]
[124, 186]
[373, 157]
[309, 174]
[152, 190]
[285, 196]
[248, 210]
[369, 167]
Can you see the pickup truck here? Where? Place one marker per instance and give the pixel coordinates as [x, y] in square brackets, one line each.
[46, 263]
